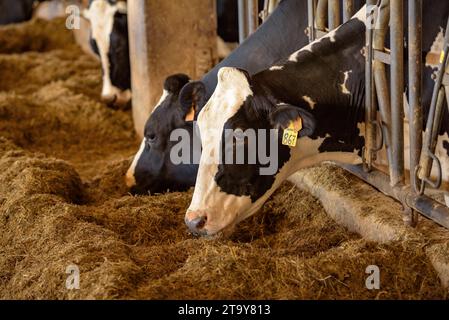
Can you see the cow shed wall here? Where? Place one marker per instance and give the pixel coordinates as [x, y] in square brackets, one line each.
[167, 37]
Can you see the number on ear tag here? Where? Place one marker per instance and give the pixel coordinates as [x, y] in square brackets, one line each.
[290, 135]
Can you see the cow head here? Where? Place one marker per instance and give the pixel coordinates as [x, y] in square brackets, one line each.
[109, 40]
[228, 191]
[153, 169]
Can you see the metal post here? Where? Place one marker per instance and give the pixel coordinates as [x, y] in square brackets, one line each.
[415, 90]
[268, 8]
[243, 27]
[380, 74]
[272, 5]
[311, 19]
[434, 122]
[334, 14]
[321, 15]
[369, 107]
[348, 9]
[253, 15]
[397, 91]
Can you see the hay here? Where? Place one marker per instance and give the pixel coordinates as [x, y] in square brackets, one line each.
[62, 201]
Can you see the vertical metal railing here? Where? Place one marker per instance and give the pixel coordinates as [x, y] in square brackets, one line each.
[415, 94]
[397, 91]
[348, 10]
[248, 16]
[334, 14]
[311, 4]
[325, 15]
[390, 100]
[428, 157]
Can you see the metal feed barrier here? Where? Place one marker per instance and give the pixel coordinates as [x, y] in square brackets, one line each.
[388, 99]
[248, 15]
[325, 15]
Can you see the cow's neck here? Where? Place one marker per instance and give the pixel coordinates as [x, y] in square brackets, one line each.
[268, 44]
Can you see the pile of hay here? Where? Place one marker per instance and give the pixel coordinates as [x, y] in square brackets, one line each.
[63, 155]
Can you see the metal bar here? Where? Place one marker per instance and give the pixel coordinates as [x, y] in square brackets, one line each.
[268, 8]
[321, 15]
[334, 14]
[272, 5]
[415, 91]
[382, 56]
[253, 15]
[243, 26]
[311, 19]
[348, 9]
[415, 85]
[265, 13]
[370, 134]
[435, 115]
[421, 203]
[397, 91]
[380, 74]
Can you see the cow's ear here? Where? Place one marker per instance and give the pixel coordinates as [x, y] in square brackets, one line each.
[192, 98]
[286, 115]
[174, 83]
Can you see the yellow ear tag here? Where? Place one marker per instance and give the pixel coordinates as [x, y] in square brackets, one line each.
[290, 135]
[442, 57]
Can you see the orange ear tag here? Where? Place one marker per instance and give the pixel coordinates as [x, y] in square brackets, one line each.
[191, 115]
[290, 134]
[442, 57]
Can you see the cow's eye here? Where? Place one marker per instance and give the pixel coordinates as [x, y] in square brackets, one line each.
[151, 138]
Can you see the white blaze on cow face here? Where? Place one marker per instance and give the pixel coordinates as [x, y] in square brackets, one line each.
[130, 178]
[101, 16]
[208, 200]
[130, 174]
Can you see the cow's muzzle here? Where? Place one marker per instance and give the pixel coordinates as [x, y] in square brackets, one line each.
[196, 223]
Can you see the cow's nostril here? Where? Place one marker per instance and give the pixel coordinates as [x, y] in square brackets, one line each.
[195, 225]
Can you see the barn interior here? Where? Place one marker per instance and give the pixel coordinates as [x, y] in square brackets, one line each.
[64, 154]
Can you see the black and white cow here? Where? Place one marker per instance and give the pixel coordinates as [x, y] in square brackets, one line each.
[152, 169]
[321, 85]
[109, 40]
[14, 11]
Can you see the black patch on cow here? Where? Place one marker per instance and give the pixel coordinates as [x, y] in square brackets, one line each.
[120, 70]
[319, 75]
